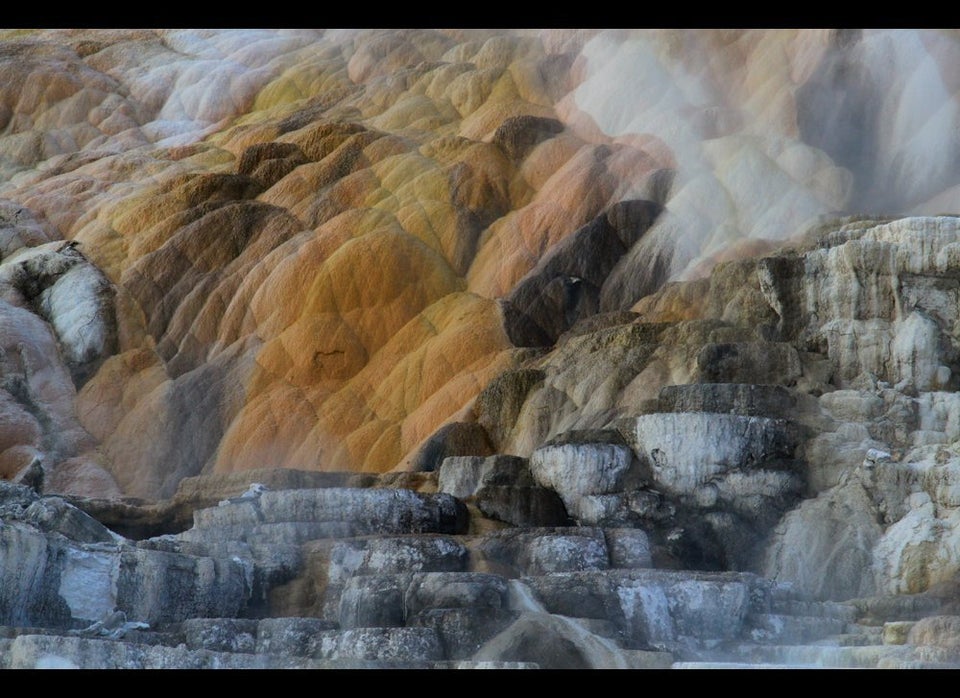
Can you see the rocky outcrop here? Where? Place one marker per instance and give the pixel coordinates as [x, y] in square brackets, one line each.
[449, 340]
[315, 249]
[58, 311]
[503, 488]
[398, 596]
[63, 569]
[566, 285]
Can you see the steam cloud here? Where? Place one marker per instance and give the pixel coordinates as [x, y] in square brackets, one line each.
[770, 130]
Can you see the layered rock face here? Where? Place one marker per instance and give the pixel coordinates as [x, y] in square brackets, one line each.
[323, 245]
[613, 300]
[378, 575]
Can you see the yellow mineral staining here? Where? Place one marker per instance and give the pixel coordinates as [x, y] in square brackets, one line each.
[504, 50]
[513, 244]
[346, 306]
[349, 310]
[391, 405]
[444, 346]
[122, 381]
[459, 346]
[673, 302]
[268, 431]
[349, 315]
[547, 158]
[484, 120]
[469, 90]
[311, 230]
[385, 52]
[435, 83]
[415, 114]
[324, 76]
[319, 139]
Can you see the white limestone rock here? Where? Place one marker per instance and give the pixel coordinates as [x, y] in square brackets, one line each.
[686, 450]
[576, 470]
[48, 580]
[455, 590]
[52, 514]
[915, 354]
[291, 636]
[824, 547]
[629, 548]
[55, 651]
[395, 554]
[753, 494]
[880, 297]
[653, 607]
[349, 511]
[390, 600]
[380, 644]
[57, 282]
[543, 550]
[25, 582]
[463, 476]
[79, 306]
[919, 551]
[221, 634]
[852, 405]
[940, 480]
[941, 631]
[32, 371]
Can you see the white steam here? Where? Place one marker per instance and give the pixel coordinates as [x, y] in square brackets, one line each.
[770, 130]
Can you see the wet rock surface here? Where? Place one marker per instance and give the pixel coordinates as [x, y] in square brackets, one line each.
[517, 597]
[806, 520]
[461, 348]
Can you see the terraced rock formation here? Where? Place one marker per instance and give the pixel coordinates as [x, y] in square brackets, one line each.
[407, 347]
[386, 577]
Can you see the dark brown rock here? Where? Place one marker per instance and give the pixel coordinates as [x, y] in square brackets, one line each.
[519, 134]
[456, 439]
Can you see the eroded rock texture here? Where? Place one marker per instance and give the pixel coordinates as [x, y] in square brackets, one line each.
[316, 249]
[692, 292]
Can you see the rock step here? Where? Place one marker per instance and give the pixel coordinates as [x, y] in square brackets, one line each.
[53, 581]
[587, 586]
[747, 399]
[512, 552]
[884, 609]
[59, 652]
[738, 665]
[846, 657]
[381, 644]
[742, 362]
[284, 636]
[687, 450]
[859, 638]
[916, 664]
[818, 609]
[336, 650]
[138, 519]
[359, 511]
[785, 629]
